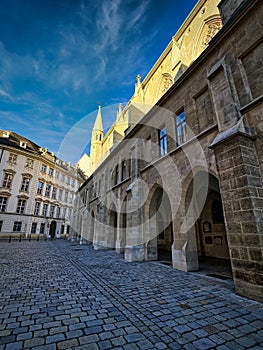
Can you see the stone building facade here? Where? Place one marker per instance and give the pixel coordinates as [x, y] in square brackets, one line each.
[199, 28]
[187, 176]
[37, 189]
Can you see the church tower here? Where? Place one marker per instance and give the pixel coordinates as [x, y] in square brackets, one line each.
[96, 142]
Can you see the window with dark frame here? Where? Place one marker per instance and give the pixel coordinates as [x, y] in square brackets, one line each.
[17, 226]
[116, 175]
[47, 192]
[58, 212]
[25, 184]
[45, 208]
[40, 187]
[52, 211]
[54, 193]
[3, 204]
[34, 227]
[7, 182]
[37, 208]
[21, 205]
[123, 170]
[43, 168]
[1, 225]
[51, 171]
[181, 130]
[42, 228]
[163, 141]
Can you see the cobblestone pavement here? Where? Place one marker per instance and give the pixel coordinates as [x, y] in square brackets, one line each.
[61, 295]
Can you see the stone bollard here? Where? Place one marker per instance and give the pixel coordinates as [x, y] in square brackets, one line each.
[20, 238]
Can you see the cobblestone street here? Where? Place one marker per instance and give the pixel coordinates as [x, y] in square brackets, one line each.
[62, 295]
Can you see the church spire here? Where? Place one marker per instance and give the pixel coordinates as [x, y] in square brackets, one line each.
[98, 122]
[96, 142]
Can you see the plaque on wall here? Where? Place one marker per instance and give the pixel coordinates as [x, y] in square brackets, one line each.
[207, 227]
[208, 240]
[218, 240]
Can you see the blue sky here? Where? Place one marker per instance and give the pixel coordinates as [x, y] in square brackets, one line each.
[60, 58]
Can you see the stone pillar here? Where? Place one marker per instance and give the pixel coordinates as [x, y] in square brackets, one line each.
[134, 249]
[242, 198]
[100, 229]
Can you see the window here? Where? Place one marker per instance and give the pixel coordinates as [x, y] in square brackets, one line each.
[54, 193]
[43, 168]
[60, 194]
[116, 177]
[3, 204]
[29, 163]
[17, 226]
[52, 211]
[25, 184]
[7, 182]
[37, 208]
[23, 144]
[42, 228]
[72, 182]
[47, 192]
[40, 187]
[57, 174]
[66, 196]
[62, 177]
[68, 180]
[163, 141]
[181, 129]
[45, 208]
[1, 225]
[58, 212]
[20, 209]
[12, 158]
[62, 229]
[123, 170]
[64, 212]
[34, 227]
[51, 170]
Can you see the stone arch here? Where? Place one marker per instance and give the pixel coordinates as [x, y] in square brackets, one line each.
[165, 82]
[158, 215]
[207, 31]
[206, 231]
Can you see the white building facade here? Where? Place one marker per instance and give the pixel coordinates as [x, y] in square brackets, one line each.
[37, 189]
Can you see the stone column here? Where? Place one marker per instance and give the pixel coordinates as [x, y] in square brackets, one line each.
[242, 198]
[134, 249]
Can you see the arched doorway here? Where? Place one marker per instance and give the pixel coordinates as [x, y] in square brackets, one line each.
[161, 226]
[212, 246]
[52, 229]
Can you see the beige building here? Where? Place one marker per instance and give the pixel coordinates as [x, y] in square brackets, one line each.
[186, 45]
[185, 179]
[37, 189]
